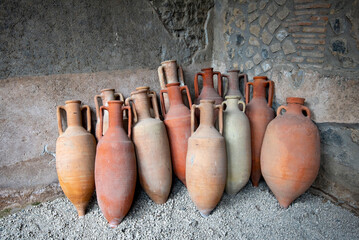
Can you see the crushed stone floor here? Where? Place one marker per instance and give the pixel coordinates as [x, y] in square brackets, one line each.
[251, 214]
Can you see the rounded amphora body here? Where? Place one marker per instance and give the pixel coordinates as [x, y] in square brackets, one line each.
[290, 157]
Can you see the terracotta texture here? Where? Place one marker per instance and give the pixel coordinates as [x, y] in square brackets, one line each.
[232, 86]
[105, 96]
[152, 147]
[290, 156]
[206, 162]
[75, 156]
[259, 113]
[237, 134]
[168, 73]
[115, 167]
[178, 124]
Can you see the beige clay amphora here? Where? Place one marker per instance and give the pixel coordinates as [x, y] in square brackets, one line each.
[237, 135]
[206, 162]
[106, 95]
[152, 147]
[75, 156]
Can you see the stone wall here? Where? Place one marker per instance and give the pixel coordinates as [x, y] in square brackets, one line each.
[55, 51]
[309, 49]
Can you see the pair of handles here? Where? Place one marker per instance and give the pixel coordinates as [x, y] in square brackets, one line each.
[59, 118]
[161, 75]
[181, 88]
[239, 102]
[243, 75]
[219, 83]
[303, 108]
[123, 108]
[268, 83]
[119, 95]
[150, 94]
[215, 107]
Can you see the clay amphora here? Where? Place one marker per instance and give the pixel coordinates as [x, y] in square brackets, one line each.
[232, 86]
[152, 147]
[115, 167]
[208, 92]
[75, 156]
[168, 73]
[290, 156]
[178, 124]
[259, 113]
[152, 112]
[206, 162]
[237, 134]
[105, 96]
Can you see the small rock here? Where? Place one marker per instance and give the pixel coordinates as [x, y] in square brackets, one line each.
[266, 65]
[263, 4]
[273, 25]
[281, 34]
[257, 71]
[263, 20]
[338, 46]
[288, 47]
[255, 29]
[266, 37]
[338, 25]
[249, 51]
[257, 59]
[249, 65]
[272, 8]
[280, 2]
[265, 53]
[253, 16]
[252, 6]
[283, 13]
[253, 41]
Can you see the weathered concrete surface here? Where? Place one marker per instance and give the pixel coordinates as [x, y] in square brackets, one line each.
[47, 37]
[339, 172]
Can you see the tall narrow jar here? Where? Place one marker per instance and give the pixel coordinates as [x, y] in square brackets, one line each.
[259, 112]
[178, 124]
[170, 72]
[152, 147]
[115, 168]
[105, 96]
[232, 85]
[237, 134]
[290, 156]
[75, 156]
[206, 162]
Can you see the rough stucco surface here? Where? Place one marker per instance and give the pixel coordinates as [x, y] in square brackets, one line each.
[52, 51]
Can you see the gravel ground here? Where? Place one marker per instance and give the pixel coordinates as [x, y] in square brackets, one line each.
[252, 214]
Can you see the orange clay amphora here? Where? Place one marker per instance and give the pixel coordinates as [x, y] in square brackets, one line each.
[290, 156]
[75, 156]
[206, 162]
[178, 124]
[232, 86]
[168, 73]
[208, 91]
[259, 113]
[115, 168]
[105, 96]
[152, 147]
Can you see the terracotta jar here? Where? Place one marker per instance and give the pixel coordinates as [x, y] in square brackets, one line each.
[290, 156]
[259, 113]
[105, 96]
[152, 112]
[168, 73]
[237, 134]
[232, 86]
[178, 124]
[152, 147]
[206, 162]
[115, 168]
[75, 156]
